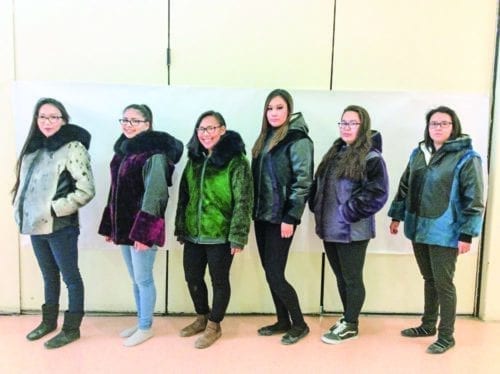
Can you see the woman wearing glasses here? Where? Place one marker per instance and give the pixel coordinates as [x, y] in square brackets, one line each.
[440, 200]
[213, 219]
[141, 172]
[54, 180]
[350, 186]
[282, 169]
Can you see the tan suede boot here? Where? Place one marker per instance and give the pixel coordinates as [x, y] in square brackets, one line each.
[211, 334]
[199, 325]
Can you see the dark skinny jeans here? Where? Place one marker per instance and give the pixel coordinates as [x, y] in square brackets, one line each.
[347, 261]
[273, 251]
[437, 266]
[219, 259]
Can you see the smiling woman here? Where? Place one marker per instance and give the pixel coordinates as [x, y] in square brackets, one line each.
[54, 180]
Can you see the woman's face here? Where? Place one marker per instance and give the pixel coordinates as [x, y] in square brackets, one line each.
[440, 128]
[133, 123]
[209, 132]
[349, 127]
[277, 111]
[49, 120]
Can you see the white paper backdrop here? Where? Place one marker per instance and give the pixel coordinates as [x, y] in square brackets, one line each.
[399, 116]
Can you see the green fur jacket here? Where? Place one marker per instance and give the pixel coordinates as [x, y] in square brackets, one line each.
[216, 194]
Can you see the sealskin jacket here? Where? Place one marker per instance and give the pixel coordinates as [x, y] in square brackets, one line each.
[55, 181]
[440, 196]
[216, 195]
[283, 176]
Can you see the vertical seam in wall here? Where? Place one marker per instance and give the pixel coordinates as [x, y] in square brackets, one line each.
[480, 260]
[168, 43]
[14, 51]
[333, 43]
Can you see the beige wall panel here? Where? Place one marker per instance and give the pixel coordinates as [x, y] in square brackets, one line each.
[249, 290]
[445, 45]
[252, 43]
[9, 265]
[394, 285]
[97, 41]
[490, 300]
[108, 287]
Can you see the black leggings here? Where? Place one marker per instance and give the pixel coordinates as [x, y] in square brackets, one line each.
[219, 259]
[273, 251]
[347, 261]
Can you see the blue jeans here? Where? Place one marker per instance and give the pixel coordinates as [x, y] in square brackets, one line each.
[140, 268]
[57, 253]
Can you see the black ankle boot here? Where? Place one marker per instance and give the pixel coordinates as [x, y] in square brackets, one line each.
[69, 333]
[48, 324]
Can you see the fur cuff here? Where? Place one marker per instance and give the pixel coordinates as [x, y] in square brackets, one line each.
[148, 229]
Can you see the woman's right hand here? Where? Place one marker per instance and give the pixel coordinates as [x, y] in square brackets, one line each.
[108, 239]
[393, 227]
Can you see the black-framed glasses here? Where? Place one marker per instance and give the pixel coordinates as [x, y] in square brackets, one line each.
[209, 129]
[348, 125]
[51, 119]
[442, 124]
[132, 122]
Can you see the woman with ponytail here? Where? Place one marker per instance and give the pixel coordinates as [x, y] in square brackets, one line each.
[134, 215]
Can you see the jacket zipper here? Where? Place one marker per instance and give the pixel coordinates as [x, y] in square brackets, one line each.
[200, 202]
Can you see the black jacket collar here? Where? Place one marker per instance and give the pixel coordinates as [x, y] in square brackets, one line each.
[66, 134]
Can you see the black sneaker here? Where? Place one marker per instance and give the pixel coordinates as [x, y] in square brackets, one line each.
[340, 333]
[417, 332]
[277, 328]
[295, 334]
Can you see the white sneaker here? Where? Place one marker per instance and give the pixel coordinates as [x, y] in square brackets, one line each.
[128, 332]
[138, 337]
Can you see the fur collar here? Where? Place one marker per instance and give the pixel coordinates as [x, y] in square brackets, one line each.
[66, 134]
[150, 141]
[229, 145]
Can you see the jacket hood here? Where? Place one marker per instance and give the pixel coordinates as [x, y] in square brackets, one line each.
[150, 141]
[66, 134]
[298, 123]
[228, 146]
[376, 140]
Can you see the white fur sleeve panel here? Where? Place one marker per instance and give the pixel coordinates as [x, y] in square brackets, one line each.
[78, 165]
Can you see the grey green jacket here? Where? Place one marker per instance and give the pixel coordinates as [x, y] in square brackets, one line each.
[55, 181]
[283, 176]
[216, 195]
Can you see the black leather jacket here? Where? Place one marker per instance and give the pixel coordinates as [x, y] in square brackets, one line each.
[283, 176]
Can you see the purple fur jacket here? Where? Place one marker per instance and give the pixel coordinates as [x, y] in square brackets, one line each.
[140, 175]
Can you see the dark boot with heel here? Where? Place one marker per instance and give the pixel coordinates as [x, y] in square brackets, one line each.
[48, 324]
[69, 333]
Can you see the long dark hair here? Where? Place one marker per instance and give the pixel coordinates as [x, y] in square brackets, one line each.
[351, 162]
[35, 132]
[455, 122]
[281, 131]
[145, 111]
[194, 144]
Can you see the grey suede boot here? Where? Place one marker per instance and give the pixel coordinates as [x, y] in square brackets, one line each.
[69, 333]
[48, 324]
[211, 334]
[199, 325]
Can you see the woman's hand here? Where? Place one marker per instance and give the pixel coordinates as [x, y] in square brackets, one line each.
[140, 246]
[463, 247]
[393, 227]
[108, 239]
[236, 250]
[286, 230]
